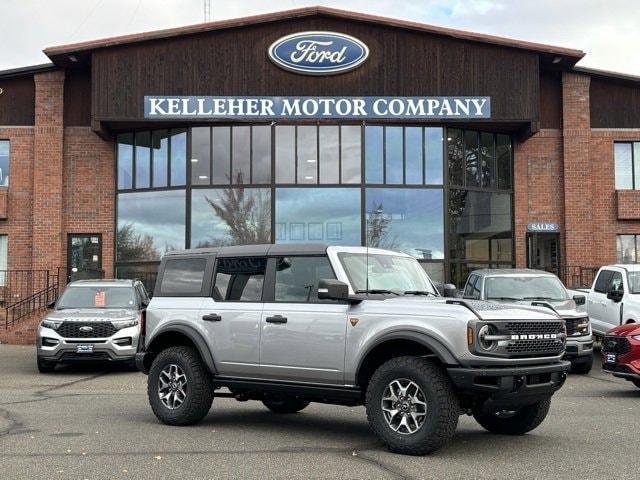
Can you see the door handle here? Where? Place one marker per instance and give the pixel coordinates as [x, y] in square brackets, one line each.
[276, 319]
[212, 317]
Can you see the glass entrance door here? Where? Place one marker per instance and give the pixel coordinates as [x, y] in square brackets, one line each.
[84, 256]
[543, 251]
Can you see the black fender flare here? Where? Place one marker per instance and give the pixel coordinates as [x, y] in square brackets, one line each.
[195, 337]
[441, 351]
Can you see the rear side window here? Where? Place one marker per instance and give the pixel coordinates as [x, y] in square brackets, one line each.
[239, 279]
[603, 282]
[183, 276]
[469, 289]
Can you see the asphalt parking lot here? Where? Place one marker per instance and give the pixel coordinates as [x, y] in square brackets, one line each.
[94, 422]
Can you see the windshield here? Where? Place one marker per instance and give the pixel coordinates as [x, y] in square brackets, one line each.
[97, 297]
[634, 282]
[385, 272]
[524, 288]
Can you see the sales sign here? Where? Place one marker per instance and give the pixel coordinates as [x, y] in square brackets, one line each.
[208, 107]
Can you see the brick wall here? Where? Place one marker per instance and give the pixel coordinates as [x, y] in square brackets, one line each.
[89, 189]
[20, 194]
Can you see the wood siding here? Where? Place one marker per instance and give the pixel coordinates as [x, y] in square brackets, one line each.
[77, 98]
[235, 62]
[17, 102]
[614, 104]
[550, 100]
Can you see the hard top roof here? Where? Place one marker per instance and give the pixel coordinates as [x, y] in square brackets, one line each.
[486, 272]
[260, 249]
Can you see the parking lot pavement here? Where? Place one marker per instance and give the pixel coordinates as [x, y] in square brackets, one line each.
[94, 422]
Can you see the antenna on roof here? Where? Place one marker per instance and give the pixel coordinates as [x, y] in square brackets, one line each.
[207, 10]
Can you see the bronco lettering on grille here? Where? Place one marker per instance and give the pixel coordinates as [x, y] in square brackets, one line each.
[535, 336]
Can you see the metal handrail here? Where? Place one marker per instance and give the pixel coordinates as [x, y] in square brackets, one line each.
[28, 291]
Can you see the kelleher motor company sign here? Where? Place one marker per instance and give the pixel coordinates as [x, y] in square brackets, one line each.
[198, 107]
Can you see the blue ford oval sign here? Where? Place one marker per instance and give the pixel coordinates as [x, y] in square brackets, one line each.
[318, 53]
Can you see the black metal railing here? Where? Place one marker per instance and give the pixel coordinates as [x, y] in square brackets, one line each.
[574, 276]
[27, 291]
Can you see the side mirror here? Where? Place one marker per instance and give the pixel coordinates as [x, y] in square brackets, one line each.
[580, 299]
[615, 295]
[329, 289]
[448, 290]
[51, 305]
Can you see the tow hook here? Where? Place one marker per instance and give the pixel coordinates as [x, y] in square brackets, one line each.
[518, 382]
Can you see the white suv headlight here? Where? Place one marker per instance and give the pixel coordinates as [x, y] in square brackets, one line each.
[53, 324]
[120, 324]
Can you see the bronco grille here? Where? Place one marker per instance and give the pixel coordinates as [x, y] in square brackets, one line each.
[619, 345]
[531, 339]
[86, 329]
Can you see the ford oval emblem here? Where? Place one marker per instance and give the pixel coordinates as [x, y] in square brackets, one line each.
[86, 329]
[318, 53]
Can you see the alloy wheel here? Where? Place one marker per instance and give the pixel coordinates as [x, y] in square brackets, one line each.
[172, 386]
[404, 406]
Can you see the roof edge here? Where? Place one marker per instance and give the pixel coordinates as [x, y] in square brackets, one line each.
[608, 74]
[20, 71]
[305, 12]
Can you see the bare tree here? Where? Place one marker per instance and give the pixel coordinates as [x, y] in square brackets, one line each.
[378, 229]
[131, 245]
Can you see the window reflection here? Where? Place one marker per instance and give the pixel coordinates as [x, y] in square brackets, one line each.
[178, 156]
[487, 160]
[477, 218]
[200, 155]
[351, 153]
[331, 215]
[150, 224]
[307, 154]
[413, 155]
[143, 159]
[434, 155]
[407, 220]
[393, 155]
[374, 154]
[4, 163]
[623, 165]
[221, 138]
[160, 144]
[503, 158]
[241, 153]
[285, 154]
[125, 161]
[329, 154]
[261, 154]
[230, 216]
[471, 158]
[455, 156]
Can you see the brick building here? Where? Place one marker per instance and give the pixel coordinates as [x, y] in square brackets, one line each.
[123, 148]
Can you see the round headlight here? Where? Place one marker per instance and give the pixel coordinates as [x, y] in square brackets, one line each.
[482, 341]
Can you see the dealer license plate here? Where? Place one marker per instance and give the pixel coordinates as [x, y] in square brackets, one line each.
[84, 348]
[611, 358]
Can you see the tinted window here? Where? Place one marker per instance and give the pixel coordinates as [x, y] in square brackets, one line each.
[616, 282]
[603, 281]
[143, 159]
[239, 279]
[468, 291]
[297, 278]
[183, 276]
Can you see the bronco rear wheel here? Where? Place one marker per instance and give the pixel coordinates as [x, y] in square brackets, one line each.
[179, 387]
[411, 406]
[514, 422]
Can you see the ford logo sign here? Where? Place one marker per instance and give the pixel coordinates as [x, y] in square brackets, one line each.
[318, 53]
[86, 329]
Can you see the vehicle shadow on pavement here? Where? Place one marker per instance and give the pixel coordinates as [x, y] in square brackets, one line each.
[92, 368]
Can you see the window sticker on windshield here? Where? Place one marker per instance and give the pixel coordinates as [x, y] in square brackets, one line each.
[100, 299]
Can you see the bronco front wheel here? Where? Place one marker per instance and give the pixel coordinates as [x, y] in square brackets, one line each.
[411, 406]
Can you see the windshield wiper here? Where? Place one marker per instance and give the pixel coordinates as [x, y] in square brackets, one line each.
[378, 290]
[419, 292]
[504, 298]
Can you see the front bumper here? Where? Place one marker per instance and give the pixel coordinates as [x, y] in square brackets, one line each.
[511, 386]
[66, 349]
[578, 347]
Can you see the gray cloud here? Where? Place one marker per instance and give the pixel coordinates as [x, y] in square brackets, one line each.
[608, 31]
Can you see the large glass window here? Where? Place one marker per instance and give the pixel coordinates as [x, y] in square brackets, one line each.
[200, 156]
[160, 153]
[149, 224]
[476, 221]
[4, 258]
[330, 215]
[125, 161]
[628, 247]
[329, 140]
[221, 138]
[230, 216]
[307, 154]
[406, 219]
[627, 165]
[4, 163]
[143, 160]
[403, 155]
[178, 156]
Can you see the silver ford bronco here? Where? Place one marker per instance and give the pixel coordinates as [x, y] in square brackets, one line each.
[290, 324]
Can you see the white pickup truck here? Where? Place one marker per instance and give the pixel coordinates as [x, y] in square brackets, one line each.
[614, 298]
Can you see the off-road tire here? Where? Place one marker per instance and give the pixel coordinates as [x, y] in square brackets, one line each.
[524, 420]
[442, 411]
[45, 366]
[199, 394]
[285, 404]
[582, 367]
[636, 383]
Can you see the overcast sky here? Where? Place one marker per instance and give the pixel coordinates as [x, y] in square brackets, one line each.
[608, 30]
